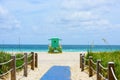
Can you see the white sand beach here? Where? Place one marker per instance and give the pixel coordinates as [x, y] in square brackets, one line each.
[46, 61]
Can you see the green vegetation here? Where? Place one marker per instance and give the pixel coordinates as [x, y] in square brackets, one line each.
[19, 62]
[4, 57]
[113, 56]
[55, 50]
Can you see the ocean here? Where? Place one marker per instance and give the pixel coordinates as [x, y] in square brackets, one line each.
[65, 48]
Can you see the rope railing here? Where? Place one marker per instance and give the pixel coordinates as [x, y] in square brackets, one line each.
[20, 58]
[102, 76]
[30, 55]
[98, 68]
[6, 72]
[33, 60]
[85, 63]
[6, 62]
[86, 66]
[29, 62]
[20, 66]
[103, 67]
[93, 62]
[93, 70]
[102, 71]
[85, 59]
[113, 73]
[29, 59]
[93, 66]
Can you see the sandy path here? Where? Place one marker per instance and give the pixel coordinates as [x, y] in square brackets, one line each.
[46, 61]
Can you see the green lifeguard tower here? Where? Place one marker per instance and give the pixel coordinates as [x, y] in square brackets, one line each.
[55, 47]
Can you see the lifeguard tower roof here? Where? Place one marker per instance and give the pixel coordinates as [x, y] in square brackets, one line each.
[55, 39]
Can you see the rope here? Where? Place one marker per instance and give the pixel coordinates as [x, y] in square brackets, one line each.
[29, 62]
[20, 58]
[30, 55]
[85, 68]
[93, 70]
[6, 72]
[113, 73]
[86, 72]
[103, 67]
[6, 62]
[20, 66]
[86, 59]
[102, 76]
[93, 62]
[86, 65]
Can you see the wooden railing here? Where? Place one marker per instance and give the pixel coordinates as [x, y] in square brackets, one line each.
[33, 62]
[97, 68]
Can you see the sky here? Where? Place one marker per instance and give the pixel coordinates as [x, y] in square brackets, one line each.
[74, 21]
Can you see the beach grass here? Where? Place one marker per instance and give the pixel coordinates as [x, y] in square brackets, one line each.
[113, 56]
[4, 57]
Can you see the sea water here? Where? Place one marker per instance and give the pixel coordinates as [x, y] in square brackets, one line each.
[65, 48]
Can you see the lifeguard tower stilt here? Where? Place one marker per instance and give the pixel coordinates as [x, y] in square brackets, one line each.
[55, 47]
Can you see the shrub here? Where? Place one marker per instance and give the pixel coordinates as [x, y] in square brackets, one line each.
[113, 56]
[4, 57]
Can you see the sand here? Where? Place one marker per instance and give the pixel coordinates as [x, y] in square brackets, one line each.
[46, 61]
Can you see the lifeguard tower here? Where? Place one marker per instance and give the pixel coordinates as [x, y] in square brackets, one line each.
[55, 47]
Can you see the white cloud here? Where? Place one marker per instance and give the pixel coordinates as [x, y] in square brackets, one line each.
[2, 11]
[77, 13]
[7, 21]
[83, 4]
[82, 16]
[85, 13]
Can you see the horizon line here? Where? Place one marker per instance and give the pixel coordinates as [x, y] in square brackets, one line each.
[62, 44]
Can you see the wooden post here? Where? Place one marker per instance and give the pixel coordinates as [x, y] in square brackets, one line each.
[98, 69]
[90, 65]
[33, 61]
[82, 66]
[36, 60]
[110, 65]
[80, 60]
[13, 67]
[25, 64]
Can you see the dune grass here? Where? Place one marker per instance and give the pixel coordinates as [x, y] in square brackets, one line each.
[113, 56]
[4, 57]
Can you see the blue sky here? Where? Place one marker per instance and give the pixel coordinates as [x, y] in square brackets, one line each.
[74, 21]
